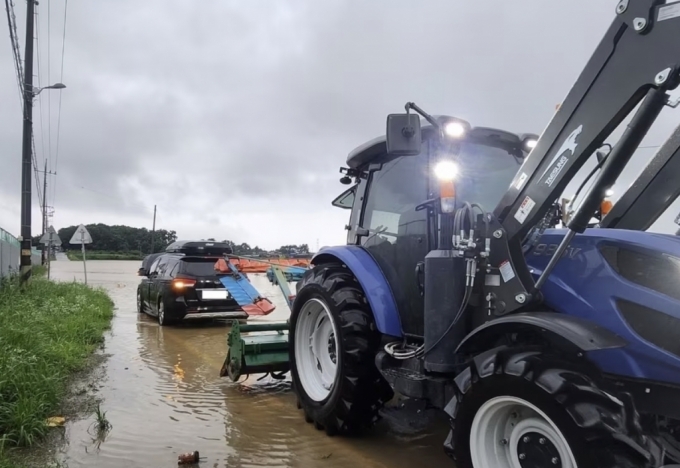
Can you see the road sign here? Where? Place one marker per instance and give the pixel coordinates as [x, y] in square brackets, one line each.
[81, 236]
[50, 237]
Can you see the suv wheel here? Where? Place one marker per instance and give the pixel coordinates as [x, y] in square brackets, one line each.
[163, 320]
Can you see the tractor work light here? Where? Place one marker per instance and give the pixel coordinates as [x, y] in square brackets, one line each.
[609, 193]
[454, 129]
[529, 141]
[446, 170]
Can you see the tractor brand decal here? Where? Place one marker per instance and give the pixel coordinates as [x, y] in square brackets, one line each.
[524, 209]
[561, 158]
[549, 250]
[506, 271]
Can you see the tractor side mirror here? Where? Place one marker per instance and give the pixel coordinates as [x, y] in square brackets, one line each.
[142, 272]
[403, 135]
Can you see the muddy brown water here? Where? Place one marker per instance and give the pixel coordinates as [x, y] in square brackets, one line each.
[162, 394]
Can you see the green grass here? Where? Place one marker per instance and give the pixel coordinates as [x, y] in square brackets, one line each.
[39, 270]
[103, 424]
[100, 255]
[47, 332]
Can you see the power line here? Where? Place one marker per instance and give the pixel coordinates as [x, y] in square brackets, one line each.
[14, 39]
[49, 80]
[16, 52]
[61, 80]
[40, 108]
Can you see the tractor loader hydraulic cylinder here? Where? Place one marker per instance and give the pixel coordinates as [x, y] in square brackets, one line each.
[636, 130]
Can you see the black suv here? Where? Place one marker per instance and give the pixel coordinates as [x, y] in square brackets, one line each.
[182, 283]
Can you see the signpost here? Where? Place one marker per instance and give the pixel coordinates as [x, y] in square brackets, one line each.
[82, 237]
[49, 239]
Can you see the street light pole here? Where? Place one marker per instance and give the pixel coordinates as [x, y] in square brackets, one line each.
[26, 165]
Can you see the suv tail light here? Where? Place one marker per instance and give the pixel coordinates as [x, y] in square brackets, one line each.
[183, 283]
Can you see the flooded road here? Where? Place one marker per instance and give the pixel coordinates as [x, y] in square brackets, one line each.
[162, 393]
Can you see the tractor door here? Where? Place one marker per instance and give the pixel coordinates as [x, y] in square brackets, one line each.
[394, 233]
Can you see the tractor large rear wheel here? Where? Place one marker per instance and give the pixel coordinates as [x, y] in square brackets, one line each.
[525, 409]
[333, 343]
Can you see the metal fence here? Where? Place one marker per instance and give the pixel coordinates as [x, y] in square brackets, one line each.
[10, 252]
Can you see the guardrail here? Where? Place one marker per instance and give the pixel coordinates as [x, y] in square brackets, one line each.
[10, 252]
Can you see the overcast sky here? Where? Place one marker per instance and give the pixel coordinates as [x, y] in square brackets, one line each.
[235, 116]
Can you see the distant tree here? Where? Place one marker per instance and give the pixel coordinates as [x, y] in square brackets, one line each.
[120, 238]
[291, 250]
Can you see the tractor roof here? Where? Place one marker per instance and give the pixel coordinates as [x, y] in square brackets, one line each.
[376, 147]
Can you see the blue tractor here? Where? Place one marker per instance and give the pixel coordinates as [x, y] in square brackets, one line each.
[545, 347]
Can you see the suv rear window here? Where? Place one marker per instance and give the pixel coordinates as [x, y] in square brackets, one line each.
[198, 267]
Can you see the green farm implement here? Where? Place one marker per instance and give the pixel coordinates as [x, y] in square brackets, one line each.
[260, 347]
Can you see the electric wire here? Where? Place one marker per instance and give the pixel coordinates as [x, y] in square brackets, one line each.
[40, 100]
[61, 80]
[16, 53]
[49, 80]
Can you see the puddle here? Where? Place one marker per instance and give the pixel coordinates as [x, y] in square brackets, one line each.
[163, 396]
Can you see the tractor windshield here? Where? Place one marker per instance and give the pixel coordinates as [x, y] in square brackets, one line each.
[484, 174]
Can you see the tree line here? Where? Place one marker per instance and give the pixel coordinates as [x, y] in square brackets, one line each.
[119, 239]
[246, 250]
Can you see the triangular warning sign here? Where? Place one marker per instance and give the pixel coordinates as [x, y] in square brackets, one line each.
[81, 236]
[50, 236]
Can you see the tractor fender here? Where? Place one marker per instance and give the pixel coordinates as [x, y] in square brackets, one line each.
[372, 281]
[564, 331]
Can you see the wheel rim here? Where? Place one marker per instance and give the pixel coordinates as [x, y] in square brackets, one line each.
[316, 350]
[508, 432]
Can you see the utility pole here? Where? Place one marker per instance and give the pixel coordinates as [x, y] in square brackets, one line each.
[153, 229]
[26, 165]
[44, 216]
[45, 208]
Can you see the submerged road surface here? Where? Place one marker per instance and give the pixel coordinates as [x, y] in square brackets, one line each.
[162, 393]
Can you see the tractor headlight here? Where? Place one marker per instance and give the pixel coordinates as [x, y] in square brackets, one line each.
[530, 144]
[446, 170]
[454, 129]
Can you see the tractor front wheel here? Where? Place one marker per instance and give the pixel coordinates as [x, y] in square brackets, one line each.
[523, 409]
[333, 343]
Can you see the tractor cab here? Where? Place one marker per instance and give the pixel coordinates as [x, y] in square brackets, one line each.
[396, 200]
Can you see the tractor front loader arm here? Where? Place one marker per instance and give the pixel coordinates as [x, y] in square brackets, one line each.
[636, 62]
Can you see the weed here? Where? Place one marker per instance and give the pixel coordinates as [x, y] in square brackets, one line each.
[47, 331]
[39, 270]
[103, 424]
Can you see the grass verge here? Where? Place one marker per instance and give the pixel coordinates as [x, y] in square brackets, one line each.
[100, 255]
[47, 332]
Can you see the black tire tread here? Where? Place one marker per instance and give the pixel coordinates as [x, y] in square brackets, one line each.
[609, 428]
[363, 391]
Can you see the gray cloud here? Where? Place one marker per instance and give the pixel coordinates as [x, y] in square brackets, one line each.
[233, 117]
